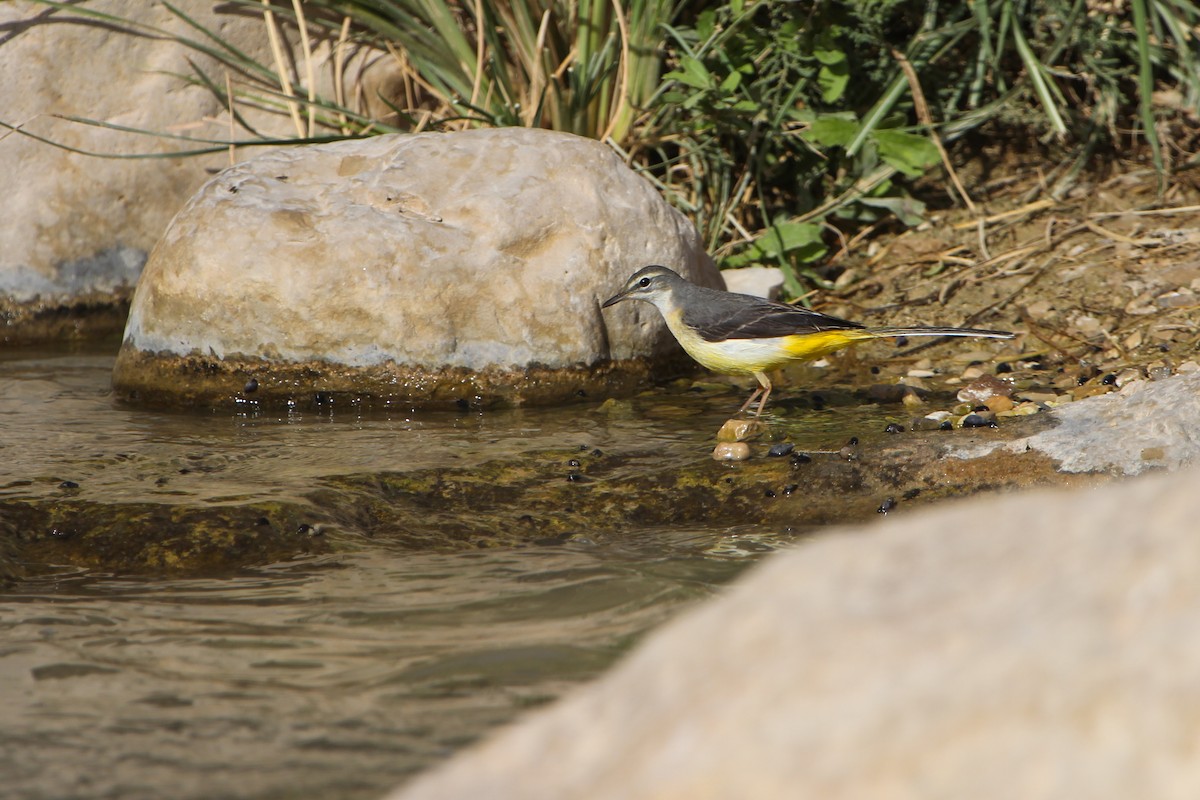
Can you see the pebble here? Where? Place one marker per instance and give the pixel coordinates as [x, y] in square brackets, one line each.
[912, 399]
[799, 459]
[984, 388]
[739, 430]
[68, 485]
[889, 392]
[251, 386]
[1000, 404]
[1158, 370]
[1023, 410]
[1091, 390]
[731, 451]
[977, 421]
[781, 449]
[1039, 397]
[893, 428]
[1129, 375]
[973, 372]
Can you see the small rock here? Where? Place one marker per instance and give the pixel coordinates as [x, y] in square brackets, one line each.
[757, 281]
[888, 392]
[739, 430]
[251, 386]
[68, 485]
[912, 399]
[1091, 390]
[1000, 404]
[984, 388]
[1039, 397]
[893, 428]
[973, 372]
[1022, 410]
[781, 449]
[921, 373]
[731, 451]
[1158, 370]
[1128, 376]
[1086, 324]
[977, 421]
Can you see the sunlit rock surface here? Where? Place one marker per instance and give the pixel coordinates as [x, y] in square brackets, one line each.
[1038, 646]
[432, 270]
[76, 229]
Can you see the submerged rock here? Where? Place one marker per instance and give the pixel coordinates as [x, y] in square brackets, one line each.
[434, 270]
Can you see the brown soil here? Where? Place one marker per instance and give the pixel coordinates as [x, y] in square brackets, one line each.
[1103, 282]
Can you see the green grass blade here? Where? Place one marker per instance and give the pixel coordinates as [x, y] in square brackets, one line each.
[1146, 88]
[1037, 76]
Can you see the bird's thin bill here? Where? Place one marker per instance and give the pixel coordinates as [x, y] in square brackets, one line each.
[613, 300]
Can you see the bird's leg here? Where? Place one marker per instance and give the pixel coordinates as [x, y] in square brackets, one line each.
[753, 396]
[766, 392]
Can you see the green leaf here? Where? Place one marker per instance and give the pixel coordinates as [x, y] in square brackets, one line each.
[731, 82]
[907, 152]
[908, 210]
[833, 79]
[693, 73]
[832, 131]
[829, 56]
[800, 241]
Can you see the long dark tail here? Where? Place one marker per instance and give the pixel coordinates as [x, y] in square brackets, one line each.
[879, 333]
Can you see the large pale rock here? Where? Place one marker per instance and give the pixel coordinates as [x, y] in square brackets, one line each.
[76, 229]
[430, 269]
[1034, 646]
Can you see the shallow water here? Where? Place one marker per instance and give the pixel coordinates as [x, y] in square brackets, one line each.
[333, 675]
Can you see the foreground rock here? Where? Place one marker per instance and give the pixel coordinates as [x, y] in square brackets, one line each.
[426, 270]
[76, 229]
[1037, 646]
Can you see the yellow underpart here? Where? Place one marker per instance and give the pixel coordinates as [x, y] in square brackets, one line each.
[750, 356]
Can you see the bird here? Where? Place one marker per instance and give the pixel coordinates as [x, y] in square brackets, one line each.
[740, 334]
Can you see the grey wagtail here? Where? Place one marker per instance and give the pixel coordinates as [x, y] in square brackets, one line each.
[739, 334]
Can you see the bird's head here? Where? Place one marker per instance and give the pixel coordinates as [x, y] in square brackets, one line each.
[654, 284]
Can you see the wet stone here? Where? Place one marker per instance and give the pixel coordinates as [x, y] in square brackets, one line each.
[985, 388]
[739, 430]
[731, 451]
[781, 449]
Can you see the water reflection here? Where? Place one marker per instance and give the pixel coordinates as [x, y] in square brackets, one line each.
[331, 676]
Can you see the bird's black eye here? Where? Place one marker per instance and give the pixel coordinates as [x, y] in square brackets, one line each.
[644, 282]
